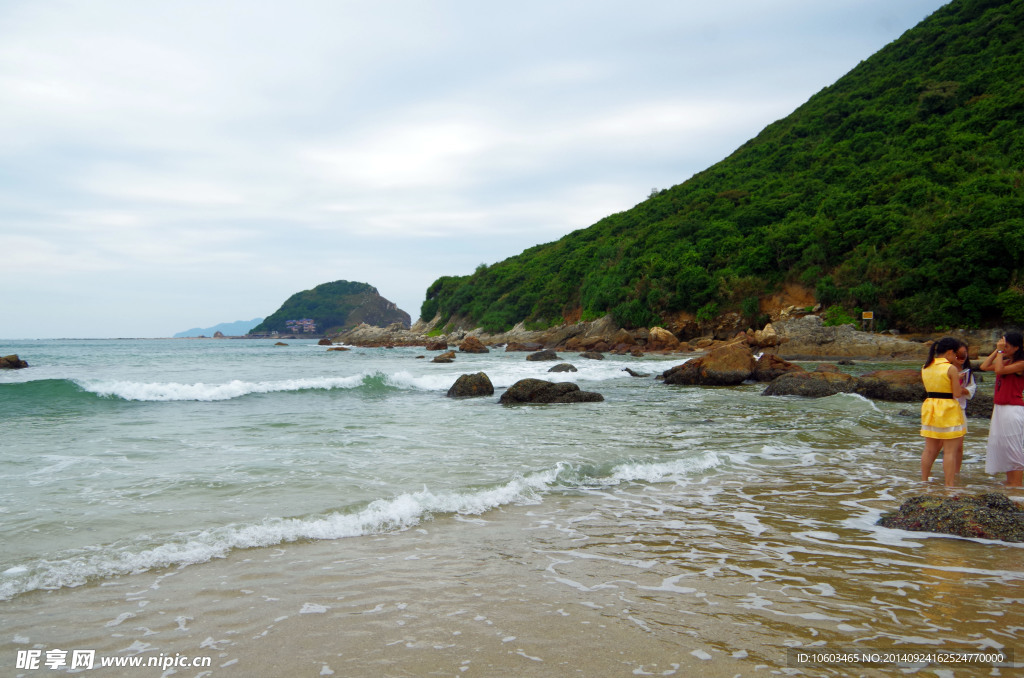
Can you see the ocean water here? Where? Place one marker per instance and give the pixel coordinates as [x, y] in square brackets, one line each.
[663, 529]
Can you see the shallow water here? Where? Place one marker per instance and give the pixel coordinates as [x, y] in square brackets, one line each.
[288, 511]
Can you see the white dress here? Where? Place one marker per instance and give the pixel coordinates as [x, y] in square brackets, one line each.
[1005, 439]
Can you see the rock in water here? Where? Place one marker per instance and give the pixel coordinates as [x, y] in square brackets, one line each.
[563, 367]
[547, 354]
[471, 386]
[540, 391]
[473, 345]
[985, 516]
[724, 366]
[12, 362]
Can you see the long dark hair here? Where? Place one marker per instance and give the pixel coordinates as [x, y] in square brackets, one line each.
[941, 346]
[1015, 339]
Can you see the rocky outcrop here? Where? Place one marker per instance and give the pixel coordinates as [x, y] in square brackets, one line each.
[902, 386]
[436, 345]
[338, 348]
[563, 367]
[537, 391]
[546, 354]
[812, 384]
[324, 342]
[471, 386]
[592, 355]
[769, 367]
[724, 366]
[448, 357]
[12, 362]
[472, 344]
[660, 339]
[809, 338]
[984, 516]
[520, 346]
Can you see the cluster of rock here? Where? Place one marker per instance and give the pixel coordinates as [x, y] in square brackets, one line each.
[734, 363]
[984, 516]
[524, 391]
[12, 362]
[793, 339]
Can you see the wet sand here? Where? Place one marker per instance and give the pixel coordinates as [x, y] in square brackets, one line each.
[639, 582]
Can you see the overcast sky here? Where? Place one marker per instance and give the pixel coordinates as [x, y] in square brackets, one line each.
[169, 165]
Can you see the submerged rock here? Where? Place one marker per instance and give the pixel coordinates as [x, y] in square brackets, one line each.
[471, 386]
[540, 391]
[444, 357]
[563, 367]
[985, 516]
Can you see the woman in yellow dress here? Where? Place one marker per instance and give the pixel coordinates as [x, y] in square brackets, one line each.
[942, 419]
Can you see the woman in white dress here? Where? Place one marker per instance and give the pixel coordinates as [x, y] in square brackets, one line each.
[1006, 435]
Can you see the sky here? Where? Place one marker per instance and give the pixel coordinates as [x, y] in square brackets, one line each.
[170, 165]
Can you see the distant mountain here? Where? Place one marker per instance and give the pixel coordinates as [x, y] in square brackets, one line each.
[235, 329]
[899, 189]
[332, 307]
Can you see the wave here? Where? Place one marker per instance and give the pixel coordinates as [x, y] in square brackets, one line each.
[384, 515]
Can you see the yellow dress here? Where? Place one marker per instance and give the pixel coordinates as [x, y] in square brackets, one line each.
[941, 417]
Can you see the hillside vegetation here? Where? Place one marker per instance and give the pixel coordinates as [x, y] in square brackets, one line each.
[335, 306]
[897, 189]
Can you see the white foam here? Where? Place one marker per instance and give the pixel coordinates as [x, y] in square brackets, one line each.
[678, 469]
[170, 391]
[383, 515]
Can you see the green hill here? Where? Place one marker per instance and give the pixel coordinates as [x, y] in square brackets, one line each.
[897, 189]
[334, 306]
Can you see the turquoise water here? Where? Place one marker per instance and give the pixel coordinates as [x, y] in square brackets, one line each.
[123, 455]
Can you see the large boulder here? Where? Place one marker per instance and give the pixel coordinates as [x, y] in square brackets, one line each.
[812, 384]
[471, 386]
[444, 357]
[12, 362]
[473, 345]
[985, 516]
[540, 391]
[726, 365]
[660, 339]
[436, 345]
[563, 367]
[902, 386]
[520, 346]
[769, 367]
[808, 337]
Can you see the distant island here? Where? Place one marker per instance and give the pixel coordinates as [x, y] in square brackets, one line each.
[235, 329]
[332, 307]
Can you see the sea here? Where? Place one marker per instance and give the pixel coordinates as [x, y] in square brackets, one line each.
[233, 507]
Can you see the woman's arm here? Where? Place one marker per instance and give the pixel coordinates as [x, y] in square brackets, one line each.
[1009, 368]
[954, 382]
[995, 359]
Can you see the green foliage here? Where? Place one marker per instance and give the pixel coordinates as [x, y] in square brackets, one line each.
[707, 312]
[899, 188]
[837, 315]
[1012, 305]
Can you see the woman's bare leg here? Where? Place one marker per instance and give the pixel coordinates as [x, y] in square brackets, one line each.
[932, 447]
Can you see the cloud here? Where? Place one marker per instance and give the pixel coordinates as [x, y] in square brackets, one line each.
[205, 160]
